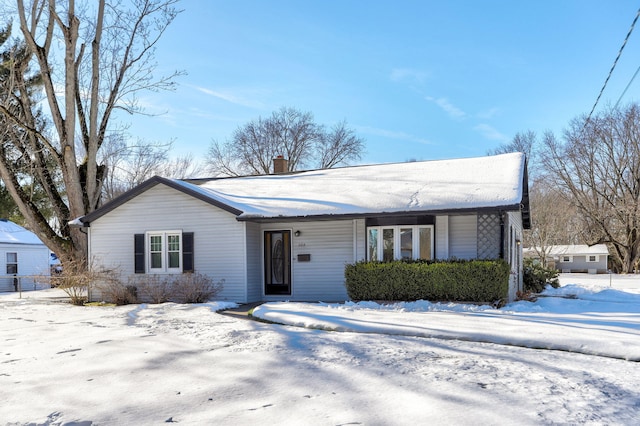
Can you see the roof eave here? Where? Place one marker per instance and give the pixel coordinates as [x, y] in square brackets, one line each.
[324, 217]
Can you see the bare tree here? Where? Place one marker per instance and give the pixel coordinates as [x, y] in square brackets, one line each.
[552, 220]
[339, 146]
[130, 164]
[287, 132]
[92, 60]
[598, 166]
[527, 143]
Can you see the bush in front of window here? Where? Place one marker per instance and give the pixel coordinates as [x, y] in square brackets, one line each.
[153, 288]
[159, 288]
[195, 288]
[451, 280]
[113, 290]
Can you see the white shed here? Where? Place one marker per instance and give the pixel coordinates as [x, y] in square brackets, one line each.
[22, 257]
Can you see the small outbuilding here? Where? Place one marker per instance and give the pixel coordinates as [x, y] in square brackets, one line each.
[574, 257]
[23, 257]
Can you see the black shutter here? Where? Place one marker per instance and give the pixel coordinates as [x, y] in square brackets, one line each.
[187, 252]
[138, 256]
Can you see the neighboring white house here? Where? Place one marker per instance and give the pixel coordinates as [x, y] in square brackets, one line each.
[22, 257]
[575, 258]
[289, 236]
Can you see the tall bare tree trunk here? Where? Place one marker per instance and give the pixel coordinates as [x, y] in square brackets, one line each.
[65, 163]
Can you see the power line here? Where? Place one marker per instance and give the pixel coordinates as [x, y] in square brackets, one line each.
[626, 88]
[614, 65]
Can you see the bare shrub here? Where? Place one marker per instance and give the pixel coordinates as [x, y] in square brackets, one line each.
[195, 288]
[154, 288]
[118, 293]
[113, 290]
[74, 280]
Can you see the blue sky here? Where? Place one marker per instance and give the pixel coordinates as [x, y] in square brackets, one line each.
[415, 79]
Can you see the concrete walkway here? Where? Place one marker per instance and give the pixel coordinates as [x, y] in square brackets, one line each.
[241, 311]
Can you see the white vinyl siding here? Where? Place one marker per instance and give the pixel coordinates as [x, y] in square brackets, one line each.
[360, 248]
[513, 235]
[463, 241]
[442, 237]
[330, 247]
[32, 260]
[218, 237]
[254, 262]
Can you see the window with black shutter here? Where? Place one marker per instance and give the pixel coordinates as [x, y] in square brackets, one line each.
[165, 252]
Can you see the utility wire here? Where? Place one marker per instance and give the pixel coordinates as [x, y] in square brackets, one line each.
[627, 88]
[613, 66]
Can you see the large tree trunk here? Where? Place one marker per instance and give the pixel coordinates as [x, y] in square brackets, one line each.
[64, 164]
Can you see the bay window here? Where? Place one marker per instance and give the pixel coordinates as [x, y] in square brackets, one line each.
[399, 242]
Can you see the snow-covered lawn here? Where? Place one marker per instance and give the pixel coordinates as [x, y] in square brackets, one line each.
[150, 364]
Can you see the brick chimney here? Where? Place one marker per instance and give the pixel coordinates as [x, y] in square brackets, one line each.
[280, 165]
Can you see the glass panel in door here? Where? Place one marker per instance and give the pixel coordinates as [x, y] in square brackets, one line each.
[406, 243]
[277, 262]
[425, 243]
[387, 244]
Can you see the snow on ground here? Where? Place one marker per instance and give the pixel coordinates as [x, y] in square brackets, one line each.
[611, 316]
[152, 364]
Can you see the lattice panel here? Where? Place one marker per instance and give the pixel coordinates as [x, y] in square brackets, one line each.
[488, 236]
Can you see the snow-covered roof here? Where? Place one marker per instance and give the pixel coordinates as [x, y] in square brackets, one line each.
[12, 233]
[415, 187]
[573, 250]
[491, 181]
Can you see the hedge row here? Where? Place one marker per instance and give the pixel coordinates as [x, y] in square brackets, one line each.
[458, 280]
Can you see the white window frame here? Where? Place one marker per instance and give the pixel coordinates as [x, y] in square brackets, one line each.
[597, 258]
[564, 256]
[164, 269]
[397, 249]
[12, 262]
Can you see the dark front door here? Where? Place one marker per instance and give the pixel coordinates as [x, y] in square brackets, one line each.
[277, 262]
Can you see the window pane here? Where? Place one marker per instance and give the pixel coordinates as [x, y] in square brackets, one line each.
[373, 244]
[425, 243]
[387, 245]
[156, 260]
[174, 242]
[12, 263]
[173, 251]
[174, 259]
[155, 249]
[406, 243]
[156, 243]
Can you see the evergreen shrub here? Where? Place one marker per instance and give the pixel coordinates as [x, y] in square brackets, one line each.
[536, 277]
[451, 280]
